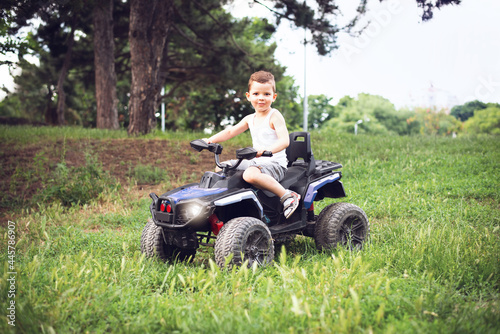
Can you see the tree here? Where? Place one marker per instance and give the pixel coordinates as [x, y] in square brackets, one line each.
[395, 121]
[61, 95]
[379, 116]
[66, 30]
[464, 112]
[149, 29]
[320, 110]
[321, 18]
[60, 20]
[104, 62]
[206, 85]
[204, 66]
[434, 122]
[429, 6]
[148, 46]
[364, 108]
[141, 115]
[486, 121]
[10, 41]
[204, 62]
[288, 104]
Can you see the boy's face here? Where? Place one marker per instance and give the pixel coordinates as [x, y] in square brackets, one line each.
[261, 95]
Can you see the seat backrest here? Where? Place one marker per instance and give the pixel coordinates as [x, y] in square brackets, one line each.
[300, 147]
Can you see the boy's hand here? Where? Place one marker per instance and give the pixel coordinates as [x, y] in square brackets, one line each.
[264, 154]
[206, 140]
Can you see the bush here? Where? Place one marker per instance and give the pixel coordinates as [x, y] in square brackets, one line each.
[484, 121]
[433, 122]
[77, 185]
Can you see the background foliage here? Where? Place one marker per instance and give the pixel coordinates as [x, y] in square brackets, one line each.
[206, 68]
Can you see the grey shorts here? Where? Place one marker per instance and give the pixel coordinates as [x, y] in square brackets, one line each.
[271, 168]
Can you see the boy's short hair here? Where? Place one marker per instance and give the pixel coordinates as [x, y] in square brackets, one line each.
[262, 77]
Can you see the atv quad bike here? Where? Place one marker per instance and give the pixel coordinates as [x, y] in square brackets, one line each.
[242, 222]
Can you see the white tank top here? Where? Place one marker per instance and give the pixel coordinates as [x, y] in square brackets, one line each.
[264, 137]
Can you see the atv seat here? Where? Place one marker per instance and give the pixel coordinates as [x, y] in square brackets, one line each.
[301, 163]
[292, 176]
[300, 148]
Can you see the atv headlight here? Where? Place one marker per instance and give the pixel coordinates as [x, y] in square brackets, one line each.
[189, 211]
[193, 210]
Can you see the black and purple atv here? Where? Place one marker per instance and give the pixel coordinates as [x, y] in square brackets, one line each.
[243, 223]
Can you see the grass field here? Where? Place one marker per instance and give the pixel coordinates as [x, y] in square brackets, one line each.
[432, 263]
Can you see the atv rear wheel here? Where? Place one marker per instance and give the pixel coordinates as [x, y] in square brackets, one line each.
[153, 245]
[245, 238]
[342, 223]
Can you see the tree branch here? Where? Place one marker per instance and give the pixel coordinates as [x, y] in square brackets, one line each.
[223, 27]
[189, 39]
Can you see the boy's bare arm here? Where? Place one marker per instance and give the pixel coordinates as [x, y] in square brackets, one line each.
[279, 125]
[229, 133]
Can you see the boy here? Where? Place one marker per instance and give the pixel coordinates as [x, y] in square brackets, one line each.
[269, 133]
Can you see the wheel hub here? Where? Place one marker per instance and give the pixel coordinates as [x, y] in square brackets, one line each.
[254, 251]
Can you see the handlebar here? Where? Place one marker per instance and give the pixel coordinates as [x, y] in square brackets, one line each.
[247, 153]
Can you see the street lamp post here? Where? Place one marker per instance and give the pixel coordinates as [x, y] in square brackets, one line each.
[305, 79]
[162, 111]
[359, 122]
[356, 126]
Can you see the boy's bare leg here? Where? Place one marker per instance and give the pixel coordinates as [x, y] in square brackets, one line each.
[255, 177]
[288, 198]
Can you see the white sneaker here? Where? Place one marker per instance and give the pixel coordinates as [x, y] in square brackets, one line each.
[290, 201]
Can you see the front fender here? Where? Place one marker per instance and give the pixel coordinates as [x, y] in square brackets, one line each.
[243, 203]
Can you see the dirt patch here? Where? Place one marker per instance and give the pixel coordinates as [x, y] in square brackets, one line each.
[22, 167]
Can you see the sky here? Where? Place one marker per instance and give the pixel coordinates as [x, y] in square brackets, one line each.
[450, 60]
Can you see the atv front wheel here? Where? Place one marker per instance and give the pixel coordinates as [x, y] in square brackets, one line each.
[153, 245]
[342, 223]
[245, 238]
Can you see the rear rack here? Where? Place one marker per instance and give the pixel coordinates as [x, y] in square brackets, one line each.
[323, 166]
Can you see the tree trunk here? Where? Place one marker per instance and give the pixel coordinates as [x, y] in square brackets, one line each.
[104, 62]
[149, 27]
[61, 96]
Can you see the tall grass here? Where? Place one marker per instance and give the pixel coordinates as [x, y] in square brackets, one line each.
[24, 134]
[431, 263]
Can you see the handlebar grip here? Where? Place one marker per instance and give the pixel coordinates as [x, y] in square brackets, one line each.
[267, 154]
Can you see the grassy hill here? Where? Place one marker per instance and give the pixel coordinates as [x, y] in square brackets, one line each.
[74, 202]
